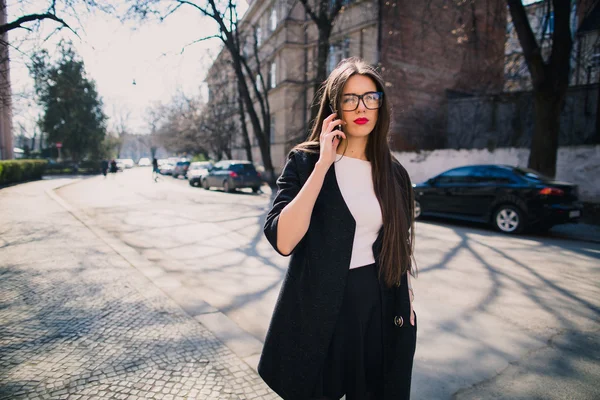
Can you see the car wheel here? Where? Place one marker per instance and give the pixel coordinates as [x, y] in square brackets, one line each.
[191, 183]
[256, 189]
[417, 210]
[508, 219]
[205, 184]
[226, 187]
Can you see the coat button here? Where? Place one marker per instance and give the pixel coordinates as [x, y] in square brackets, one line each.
[398, 321]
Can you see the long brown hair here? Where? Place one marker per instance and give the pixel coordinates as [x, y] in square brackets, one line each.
[397, 204]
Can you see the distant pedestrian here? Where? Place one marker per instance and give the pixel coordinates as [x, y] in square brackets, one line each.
[155, 170]
[343, 323]
[113, 167]
[104, 167]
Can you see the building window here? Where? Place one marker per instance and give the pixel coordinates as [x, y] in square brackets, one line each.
[549, 23]
[258, 82]
[273, 75]
[595, 58]
[337, 52]
[246, 49]
[272, 132]
[273, 19]
[258, 36]
[344, 3]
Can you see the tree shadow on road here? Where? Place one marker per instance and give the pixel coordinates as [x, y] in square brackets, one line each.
[501, 277]
[73, 329]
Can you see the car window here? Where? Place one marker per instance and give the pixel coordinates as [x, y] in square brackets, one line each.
[530, 174]
[239, 168]
[220, 166]
[498, 175]
[200, 165]
[457, 175]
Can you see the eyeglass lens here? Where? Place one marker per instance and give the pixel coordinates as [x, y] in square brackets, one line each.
[372, 101]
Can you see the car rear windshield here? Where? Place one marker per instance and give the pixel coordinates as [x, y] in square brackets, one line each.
[200, 166]
[242, 168]
[531, 174]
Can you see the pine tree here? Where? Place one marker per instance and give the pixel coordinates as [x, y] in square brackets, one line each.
[73, 112]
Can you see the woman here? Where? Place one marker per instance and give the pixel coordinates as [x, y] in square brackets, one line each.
[343, 322]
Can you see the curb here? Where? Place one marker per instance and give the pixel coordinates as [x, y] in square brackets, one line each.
[240, 342]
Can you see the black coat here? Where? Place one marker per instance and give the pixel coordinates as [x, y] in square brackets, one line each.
[312, 292]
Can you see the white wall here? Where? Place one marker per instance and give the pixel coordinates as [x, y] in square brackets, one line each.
[576, 164]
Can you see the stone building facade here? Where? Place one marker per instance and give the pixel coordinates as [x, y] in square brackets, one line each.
[432, 50]
[585, 29]
[422, 51]
[507, 119]
[586, 68]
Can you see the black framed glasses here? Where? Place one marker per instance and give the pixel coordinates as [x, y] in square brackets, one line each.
[371, 100]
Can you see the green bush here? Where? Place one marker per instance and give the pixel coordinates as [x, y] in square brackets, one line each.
[14, 171]
[86, 167]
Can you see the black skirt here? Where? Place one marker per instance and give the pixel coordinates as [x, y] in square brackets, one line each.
[354, 363]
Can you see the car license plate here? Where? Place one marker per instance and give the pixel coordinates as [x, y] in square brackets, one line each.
[574, 214]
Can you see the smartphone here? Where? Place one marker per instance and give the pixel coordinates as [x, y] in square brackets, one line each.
[338, 127]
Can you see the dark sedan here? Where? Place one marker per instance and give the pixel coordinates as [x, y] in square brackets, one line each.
[509, 198]
[231, 175]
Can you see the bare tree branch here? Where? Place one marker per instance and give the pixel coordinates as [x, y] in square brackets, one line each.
[531, 49]
[198, 41]
[310, 11]
[30, 18]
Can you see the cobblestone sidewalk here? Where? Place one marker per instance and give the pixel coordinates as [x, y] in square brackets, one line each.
[78, 322]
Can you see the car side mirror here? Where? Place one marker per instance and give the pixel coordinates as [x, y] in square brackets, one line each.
[432, 181]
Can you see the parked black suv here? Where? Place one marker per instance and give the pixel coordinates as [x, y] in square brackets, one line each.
[231, 175]
[509, 198]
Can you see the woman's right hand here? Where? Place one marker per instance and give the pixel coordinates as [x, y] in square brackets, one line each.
[330, 140]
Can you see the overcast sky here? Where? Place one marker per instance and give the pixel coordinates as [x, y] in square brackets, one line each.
[116, 55]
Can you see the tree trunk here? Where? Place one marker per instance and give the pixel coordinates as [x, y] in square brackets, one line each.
[321, 73]
[596, 140]
[265, 149]
[245, 135]
[544, 143]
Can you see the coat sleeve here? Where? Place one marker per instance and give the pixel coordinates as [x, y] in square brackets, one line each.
[288, 185]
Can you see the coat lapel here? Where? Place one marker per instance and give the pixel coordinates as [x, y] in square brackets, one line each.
[332, 194]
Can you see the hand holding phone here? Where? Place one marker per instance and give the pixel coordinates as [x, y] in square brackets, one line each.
[330, 140]
[337, 127]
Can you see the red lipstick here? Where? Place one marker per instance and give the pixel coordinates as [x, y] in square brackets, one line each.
[361, 121]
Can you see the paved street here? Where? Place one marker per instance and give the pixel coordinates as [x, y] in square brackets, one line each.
[77, 321]
[499, 317]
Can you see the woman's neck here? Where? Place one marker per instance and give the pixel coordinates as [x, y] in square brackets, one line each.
[354, 147]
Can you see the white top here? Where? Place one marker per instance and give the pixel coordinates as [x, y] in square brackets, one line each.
[356, 184]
